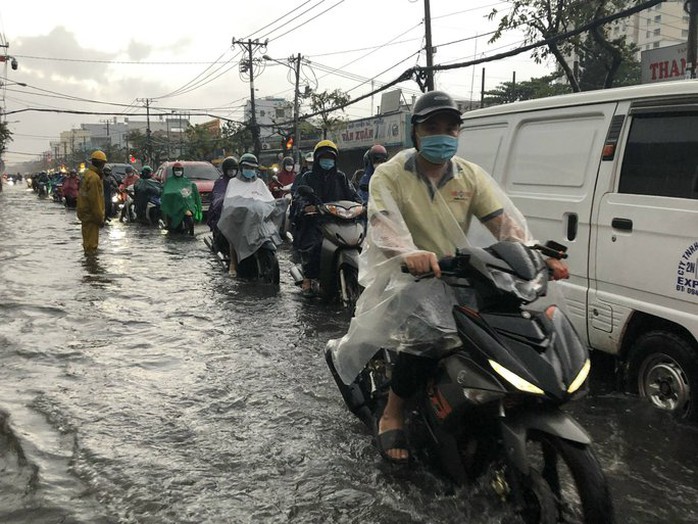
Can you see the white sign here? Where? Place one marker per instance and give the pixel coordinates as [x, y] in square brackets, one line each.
[664, 64]
[386, 130]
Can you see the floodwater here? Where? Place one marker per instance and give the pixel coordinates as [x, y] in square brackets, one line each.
[146, 386]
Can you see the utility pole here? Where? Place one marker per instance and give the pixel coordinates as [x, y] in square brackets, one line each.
[296, 110]
[691, 7]
[148, 144]
[247, 67]
[429, 48]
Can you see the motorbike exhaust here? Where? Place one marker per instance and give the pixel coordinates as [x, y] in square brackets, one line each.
[297, 275]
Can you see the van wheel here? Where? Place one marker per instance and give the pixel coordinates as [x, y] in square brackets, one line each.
[664, 366]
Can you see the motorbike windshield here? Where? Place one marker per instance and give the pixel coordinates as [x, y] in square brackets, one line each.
[408, 213]
[250, 216]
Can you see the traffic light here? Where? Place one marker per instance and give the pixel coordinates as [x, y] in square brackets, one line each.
[288, 143]
[132, 159]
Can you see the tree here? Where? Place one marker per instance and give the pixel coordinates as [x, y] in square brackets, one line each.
[542, 87]
[236, 138]
[5, 137]
[323, 103]
[543, 19]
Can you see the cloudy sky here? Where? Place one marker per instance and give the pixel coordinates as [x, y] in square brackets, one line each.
[104, 57]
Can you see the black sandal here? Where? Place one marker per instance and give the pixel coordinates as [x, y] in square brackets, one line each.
[392, 439]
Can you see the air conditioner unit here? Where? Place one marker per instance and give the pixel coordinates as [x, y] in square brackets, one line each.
[265, 146]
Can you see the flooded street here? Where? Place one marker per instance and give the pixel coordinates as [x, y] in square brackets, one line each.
[147, 386]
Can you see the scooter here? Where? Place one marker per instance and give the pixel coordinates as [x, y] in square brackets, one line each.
[489, 412]
[343, 229]
[127, 212]
[261, 265]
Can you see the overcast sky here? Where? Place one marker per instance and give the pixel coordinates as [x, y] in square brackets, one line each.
[180, 55]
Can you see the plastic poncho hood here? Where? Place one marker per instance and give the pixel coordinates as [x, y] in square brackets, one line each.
[395, 311]
[250, 216]
[179, 195]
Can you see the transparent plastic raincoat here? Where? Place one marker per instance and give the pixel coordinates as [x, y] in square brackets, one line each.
[409, 213]
[250, 216]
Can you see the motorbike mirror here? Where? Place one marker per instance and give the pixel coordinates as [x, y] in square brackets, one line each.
[275, 178]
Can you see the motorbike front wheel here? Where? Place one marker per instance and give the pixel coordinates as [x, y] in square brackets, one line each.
[268, 266]
[349, 287]
[575, 477]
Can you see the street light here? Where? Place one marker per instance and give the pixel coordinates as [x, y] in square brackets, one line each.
[297, 71]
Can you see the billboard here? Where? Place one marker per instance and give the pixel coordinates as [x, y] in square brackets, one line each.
[385, 129]
[663, 64]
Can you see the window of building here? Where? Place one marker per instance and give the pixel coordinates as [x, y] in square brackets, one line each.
[648, 34]
[684, 32]
[657, 19]
[655, 45]
[661, 156]
[280, 112]
[685, 18]
[262, 112]
[657, 31]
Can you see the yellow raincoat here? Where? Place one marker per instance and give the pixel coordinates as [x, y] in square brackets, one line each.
[91, 208]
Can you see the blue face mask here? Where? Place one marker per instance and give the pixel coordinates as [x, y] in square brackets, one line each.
[249, 173]
[438, 149]
[326, 163]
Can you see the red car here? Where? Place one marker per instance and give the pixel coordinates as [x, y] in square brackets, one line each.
[203, 174]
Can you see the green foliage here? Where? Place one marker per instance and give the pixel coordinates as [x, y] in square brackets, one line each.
[5, 137]
[541, 87]
[543, 19]
[323, 103]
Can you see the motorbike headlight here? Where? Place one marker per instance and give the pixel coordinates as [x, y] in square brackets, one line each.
[527, 290]
[515, 380]
[343, 212]
[581, 377]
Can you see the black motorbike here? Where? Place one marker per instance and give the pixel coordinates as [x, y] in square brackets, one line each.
[491, 408]
[343, 230]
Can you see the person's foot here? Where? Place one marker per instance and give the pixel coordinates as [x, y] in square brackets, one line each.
[307, 288]
[392, 441]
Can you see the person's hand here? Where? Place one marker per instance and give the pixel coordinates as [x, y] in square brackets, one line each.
[421, 262]
[558, 269]
[310, 209]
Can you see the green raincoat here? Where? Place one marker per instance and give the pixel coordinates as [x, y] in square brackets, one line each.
[179, 195]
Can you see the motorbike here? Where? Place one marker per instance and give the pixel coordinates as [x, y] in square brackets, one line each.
[250, 224]
[343, 230]
[57, 192]
[490, 411]
[127, 208]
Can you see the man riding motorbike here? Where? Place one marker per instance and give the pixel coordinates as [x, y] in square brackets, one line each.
[180, 201]
[328, 184]
[229, 168]
[420, 207]
[248, 214]
[284, 178]
[374, 157]
[71, 186]
[145, 189]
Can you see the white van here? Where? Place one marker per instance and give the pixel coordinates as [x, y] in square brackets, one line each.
[613, 175]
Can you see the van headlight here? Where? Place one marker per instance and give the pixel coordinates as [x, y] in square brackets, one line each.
[515, 380]
[527, 290]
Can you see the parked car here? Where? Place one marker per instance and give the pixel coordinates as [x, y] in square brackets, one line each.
[203, 174]
[613, 175]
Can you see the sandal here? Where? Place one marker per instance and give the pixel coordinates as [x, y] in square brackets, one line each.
[391, 439]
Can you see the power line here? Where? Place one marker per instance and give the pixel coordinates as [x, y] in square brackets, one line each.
[307, 21]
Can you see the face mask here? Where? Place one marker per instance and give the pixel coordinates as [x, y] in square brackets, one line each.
[326, 163]
[178, 173]
[289, 168]
[438, 149]
[249, 173]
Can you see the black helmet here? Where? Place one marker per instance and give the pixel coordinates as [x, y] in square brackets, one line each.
[431, 103]
[288, 161]
[230, 162]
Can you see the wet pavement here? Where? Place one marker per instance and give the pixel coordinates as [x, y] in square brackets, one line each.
[145, 385]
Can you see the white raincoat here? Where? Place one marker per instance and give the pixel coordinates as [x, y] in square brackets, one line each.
[395, 311]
